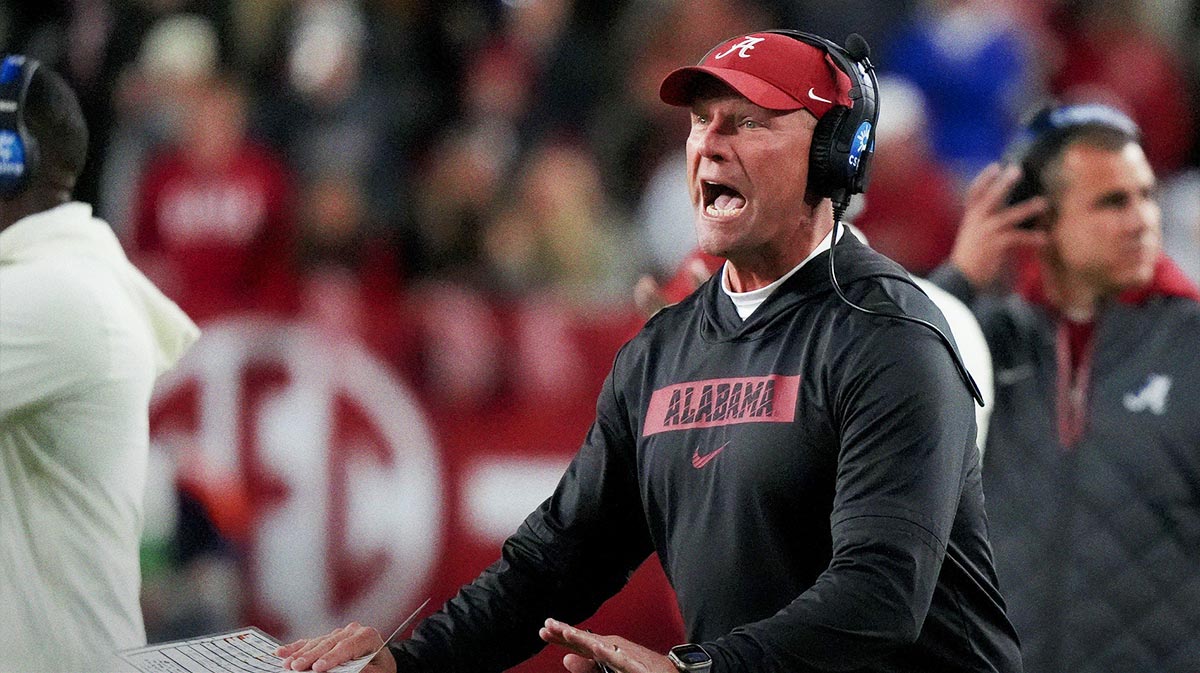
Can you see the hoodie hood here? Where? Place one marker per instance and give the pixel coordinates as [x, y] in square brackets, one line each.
[1168, 281]
[853, 261]
[70, 229]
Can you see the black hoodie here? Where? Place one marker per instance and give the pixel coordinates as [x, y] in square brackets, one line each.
[808, 477]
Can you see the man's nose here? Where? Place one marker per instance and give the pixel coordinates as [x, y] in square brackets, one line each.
[711, 142]
[1145, 216]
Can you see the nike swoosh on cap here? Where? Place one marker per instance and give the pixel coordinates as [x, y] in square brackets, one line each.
[813, 95]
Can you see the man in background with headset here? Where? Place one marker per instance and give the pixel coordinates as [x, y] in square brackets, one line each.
[806, 472]
[1092, 468]
[83, 335]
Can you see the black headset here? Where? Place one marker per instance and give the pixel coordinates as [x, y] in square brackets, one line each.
[19, 152]
[1044, 134]
[839, 159]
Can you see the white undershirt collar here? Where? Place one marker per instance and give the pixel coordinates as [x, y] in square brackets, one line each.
[747, 303]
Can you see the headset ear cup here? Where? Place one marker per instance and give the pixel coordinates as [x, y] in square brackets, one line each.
[823, 177]
[18, 148]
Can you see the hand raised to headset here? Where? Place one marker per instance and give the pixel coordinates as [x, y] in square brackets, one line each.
[990, 228]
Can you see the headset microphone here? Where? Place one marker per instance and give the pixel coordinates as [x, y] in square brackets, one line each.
[857, 47]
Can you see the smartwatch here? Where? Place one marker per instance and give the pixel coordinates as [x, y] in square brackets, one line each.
[690, 658]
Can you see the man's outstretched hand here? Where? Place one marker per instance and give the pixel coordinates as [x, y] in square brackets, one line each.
[618, 654]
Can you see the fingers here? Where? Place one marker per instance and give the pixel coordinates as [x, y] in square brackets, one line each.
[339, 646]
[988, 194]
[341, 653]
[996, 191]
[300, 660]
[982, 182]
[589, 647]
[1030, 238]
[303, 652]
[577, 640]
[555, 633]
[577, 664]
[991, 228]
[291, 648]
[1018, 213]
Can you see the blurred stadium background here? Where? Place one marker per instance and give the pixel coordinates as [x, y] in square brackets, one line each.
[410, 231]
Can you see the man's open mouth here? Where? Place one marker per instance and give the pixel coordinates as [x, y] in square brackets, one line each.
[721, 200]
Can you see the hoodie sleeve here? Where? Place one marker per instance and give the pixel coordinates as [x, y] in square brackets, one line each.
[570, 555]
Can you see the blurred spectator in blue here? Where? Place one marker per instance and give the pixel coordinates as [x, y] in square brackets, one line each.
[912, 205]
[178, 56]
[976, 71]
[1108, 54]
[213, 220]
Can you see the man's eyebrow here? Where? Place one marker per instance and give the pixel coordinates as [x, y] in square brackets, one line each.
[1112, 198]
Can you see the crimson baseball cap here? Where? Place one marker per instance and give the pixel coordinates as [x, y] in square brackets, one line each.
[771, 70]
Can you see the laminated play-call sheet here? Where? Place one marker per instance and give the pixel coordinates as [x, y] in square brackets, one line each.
[246, 651]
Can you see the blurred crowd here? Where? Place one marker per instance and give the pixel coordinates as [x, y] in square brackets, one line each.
[265, 155]
[351, 160]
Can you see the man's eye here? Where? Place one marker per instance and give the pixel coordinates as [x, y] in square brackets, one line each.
[751, 124]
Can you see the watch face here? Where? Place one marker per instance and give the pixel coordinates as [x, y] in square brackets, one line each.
[691, 655]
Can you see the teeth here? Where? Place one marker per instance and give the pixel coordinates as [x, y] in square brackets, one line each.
[714, 211]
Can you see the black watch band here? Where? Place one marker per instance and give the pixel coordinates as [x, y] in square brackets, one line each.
[690, 658]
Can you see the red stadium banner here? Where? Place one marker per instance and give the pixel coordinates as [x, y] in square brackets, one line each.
[353, 483]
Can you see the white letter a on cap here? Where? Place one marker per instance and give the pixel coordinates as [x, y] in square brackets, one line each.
[741, 47]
